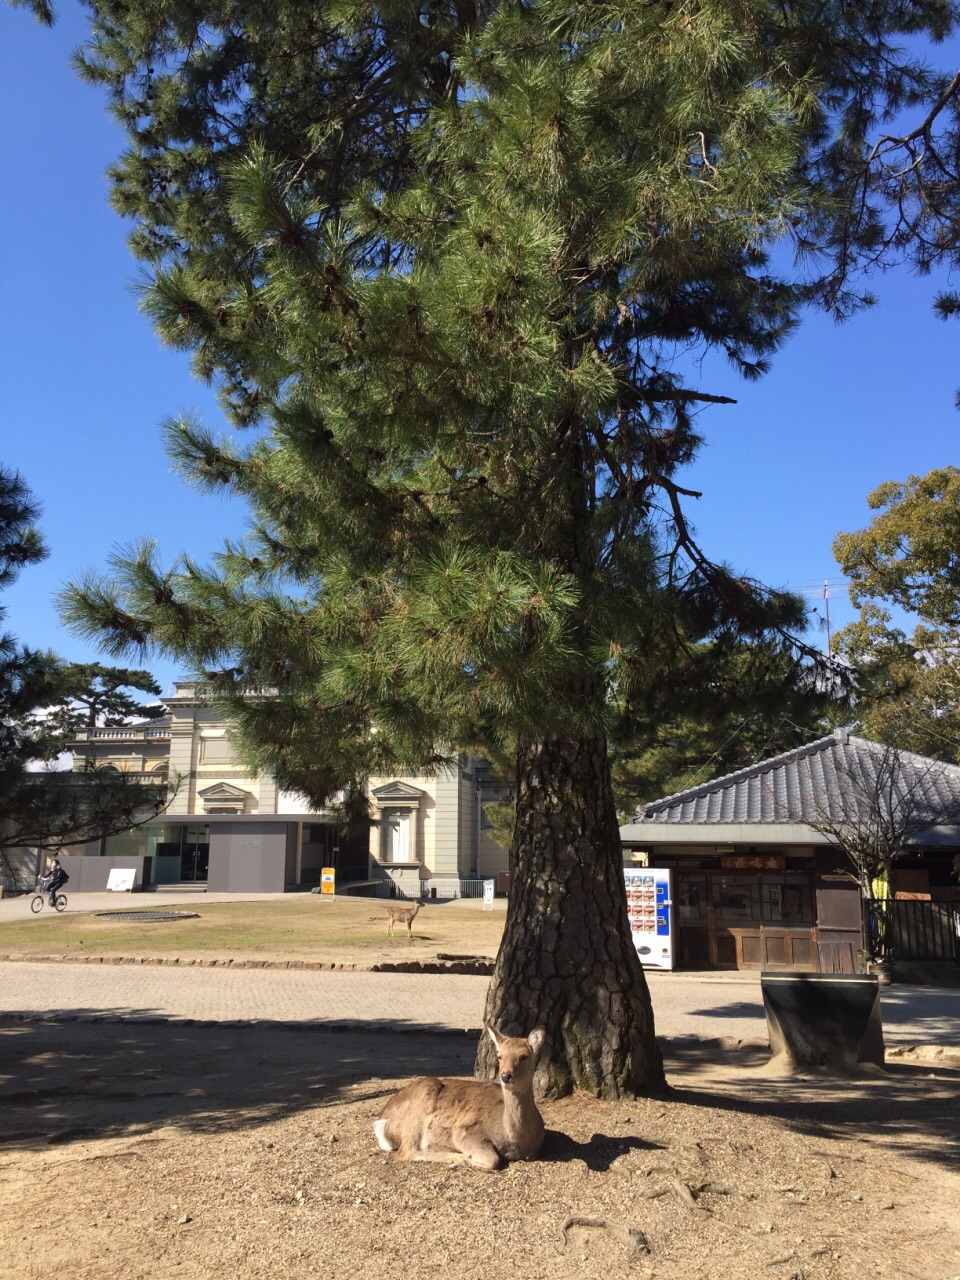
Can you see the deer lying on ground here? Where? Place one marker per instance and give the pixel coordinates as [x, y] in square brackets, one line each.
[483, 1124]
[402, 915]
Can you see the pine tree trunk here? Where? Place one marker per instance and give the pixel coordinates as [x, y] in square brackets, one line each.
[567, 961]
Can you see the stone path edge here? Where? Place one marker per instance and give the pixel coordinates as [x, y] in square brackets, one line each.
[315, 1024]
[477, 968]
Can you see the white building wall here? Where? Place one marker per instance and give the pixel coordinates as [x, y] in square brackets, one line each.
[183, 760]
[266, 794]
[468, 818]
[201, 751]
[294, 802]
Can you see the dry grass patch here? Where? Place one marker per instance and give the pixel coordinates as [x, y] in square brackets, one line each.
[347, 930]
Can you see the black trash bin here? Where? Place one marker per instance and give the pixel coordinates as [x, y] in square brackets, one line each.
[825, 1020]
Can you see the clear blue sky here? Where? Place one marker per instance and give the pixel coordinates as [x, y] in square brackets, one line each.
[85, 384]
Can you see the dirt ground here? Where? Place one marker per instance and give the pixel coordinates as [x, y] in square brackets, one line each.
[204, 1152]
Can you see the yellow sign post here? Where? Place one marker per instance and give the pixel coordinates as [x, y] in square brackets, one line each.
[328, 878]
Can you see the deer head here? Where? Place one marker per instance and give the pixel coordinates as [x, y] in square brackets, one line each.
[516, 1057]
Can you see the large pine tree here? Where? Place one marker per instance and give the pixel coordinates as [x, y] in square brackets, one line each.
[449, 268]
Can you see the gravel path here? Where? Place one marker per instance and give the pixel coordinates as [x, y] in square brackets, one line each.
[704, 1006]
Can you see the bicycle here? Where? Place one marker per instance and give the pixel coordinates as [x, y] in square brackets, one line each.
[59, 901]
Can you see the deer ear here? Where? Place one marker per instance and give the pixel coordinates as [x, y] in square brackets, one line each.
[536, 1038]
[493, 1036]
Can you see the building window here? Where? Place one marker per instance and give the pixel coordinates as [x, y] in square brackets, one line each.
[786, 900]
[398, 813]
[398, 837]
[736, 899]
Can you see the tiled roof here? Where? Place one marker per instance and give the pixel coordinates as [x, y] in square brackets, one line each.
[821, 779]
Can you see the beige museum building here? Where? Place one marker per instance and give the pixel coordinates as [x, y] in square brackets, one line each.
[238, 833]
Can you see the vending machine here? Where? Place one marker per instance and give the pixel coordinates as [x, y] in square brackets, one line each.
[650, 908]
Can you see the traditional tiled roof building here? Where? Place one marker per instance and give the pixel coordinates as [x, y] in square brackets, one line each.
[757, 881]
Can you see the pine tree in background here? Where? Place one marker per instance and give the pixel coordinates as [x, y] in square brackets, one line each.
[90, 695]
[718, 707]
[451, 273]
[26, 676]
[43, 701]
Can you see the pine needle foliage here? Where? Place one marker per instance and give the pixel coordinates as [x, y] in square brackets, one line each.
[447, 268]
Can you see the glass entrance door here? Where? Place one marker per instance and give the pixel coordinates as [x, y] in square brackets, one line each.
[195, 853]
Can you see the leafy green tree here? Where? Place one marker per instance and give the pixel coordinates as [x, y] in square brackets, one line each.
[451, 265]
[908, 686]
[908, 554]
[40, 700]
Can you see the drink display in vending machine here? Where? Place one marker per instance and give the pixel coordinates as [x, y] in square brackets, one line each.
[650, 908]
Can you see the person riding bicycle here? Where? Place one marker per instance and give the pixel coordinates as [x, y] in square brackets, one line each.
[55, 878]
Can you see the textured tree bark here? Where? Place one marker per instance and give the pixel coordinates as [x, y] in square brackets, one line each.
[567, 961]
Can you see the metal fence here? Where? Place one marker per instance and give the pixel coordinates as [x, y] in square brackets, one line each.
[918, 930]
[10, 882]
[352, 875]
[15, 871]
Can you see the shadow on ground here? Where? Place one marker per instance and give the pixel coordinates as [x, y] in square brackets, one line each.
[912, 1109]
[599, 1151]
[63, 1081]
[922, 1016]
[66, 1081]
[736, 1009]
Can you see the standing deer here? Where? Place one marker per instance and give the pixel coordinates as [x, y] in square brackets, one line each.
[483, 1124]
[402, 915]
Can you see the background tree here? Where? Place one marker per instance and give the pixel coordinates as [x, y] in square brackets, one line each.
[39, 698]
[908, 686]
[454, 269]
[909, 554]
[719, 707]
[90, 695]
[57, 809]
[26, 676]
[716, 707]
